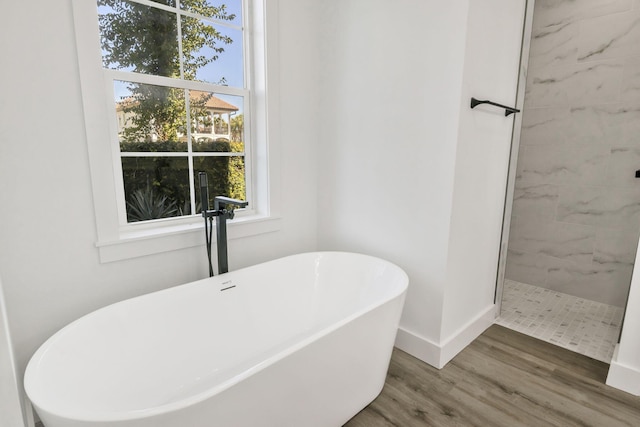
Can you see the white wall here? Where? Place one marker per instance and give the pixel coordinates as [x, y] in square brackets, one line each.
[420, 179]
[50, 265]
[390, 100]
[492, 61]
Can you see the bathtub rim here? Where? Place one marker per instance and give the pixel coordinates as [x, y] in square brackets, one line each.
[273, 356]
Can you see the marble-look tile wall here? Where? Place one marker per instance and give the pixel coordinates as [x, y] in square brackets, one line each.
[576, 211]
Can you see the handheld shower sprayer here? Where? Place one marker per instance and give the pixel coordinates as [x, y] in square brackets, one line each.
[204, 191]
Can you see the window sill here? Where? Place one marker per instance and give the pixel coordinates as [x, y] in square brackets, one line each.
[171, 238]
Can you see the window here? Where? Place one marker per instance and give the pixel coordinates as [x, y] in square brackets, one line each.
[168, 130]
[168, 92]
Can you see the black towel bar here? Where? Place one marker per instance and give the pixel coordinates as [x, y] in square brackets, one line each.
[507, 110]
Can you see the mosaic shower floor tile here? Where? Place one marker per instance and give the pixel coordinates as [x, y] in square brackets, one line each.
[586, 327]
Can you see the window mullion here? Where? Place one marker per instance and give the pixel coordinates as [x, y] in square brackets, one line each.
[154, 154]
[180, 154]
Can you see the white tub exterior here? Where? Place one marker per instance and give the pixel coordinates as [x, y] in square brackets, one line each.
[303, 340]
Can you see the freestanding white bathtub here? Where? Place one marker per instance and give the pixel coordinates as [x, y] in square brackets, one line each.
[300, 341]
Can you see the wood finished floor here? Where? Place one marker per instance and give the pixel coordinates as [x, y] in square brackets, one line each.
[503, 378]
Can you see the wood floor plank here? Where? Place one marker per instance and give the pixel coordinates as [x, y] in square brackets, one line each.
[584, 381]
[585, 366]
[503, 378]
[539, 391]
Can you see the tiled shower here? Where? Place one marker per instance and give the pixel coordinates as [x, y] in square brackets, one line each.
[576, 211]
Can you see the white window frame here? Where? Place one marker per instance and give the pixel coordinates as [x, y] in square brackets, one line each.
[118, 241]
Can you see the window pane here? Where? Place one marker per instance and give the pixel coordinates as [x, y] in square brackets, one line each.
[222, 10]
[212, 53]
[138, 38]
[225, 176]
[150, 118]
[156, 187]
[217, 122]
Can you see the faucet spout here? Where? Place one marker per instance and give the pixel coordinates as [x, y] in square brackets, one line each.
[220, 204]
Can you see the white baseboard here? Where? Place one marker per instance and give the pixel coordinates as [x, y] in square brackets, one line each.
[439, 354]
[418, 346]
[465, 335]
[623, 377]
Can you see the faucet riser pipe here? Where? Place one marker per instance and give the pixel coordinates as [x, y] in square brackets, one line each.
[221, 241]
